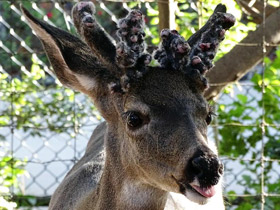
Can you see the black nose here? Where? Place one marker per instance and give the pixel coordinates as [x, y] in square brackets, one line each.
[207, 168]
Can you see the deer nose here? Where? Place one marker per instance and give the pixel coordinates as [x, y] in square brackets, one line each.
[207, 169]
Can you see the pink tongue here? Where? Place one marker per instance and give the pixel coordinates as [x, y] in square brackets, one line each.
[206, 192]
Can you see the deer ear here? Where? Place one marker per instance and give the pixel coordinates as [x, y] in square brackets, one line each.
[72, 60]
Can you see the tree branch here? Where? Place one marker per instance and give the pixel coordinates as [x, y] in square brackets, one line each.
[166, 14]
[241, 59]
[255, 10]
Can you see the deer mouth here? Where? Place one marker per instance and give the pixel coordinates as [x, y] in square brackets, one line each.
[195, 188]
[207, 192]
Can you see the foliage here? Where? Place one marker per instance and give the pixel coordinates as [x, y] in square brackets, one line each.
[10, 170]
[246, 141]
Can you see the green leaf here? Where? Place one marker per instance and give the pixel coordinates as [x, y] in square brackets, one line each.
[154, 21]
[242, 98]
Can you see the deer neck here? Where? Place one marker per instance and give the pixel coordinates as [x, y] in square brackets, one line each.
[118, 189]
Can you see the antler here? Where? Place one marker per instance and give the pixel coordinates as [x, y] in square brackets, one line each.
[94, 35]
[129, 59]
[131, 46]
[173, 51]
[195, 56]
[131, 49]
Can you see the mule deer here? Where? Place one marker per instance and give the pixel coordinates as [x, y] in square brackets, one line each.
[157, 155]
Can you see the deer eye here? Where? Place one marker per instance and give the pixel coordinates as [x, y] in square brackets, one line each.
[209, 117]
[133, 120]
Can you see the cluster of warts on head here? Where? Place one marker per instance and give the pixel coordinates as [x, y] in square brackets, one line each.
[193, 57]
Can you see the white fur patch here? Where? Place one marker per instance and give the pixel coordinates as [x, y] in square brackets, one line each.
[85, 81]
[133, 195]
[212, 146]
[195, 182]
[136, 195]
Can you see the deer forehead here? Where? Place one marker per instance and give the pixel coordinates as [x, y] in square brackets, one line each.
[164, 89]
[166, 104]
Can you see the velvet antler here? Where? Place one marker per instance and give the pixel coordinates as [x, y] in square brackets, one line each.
[128, 60]
[195, 56]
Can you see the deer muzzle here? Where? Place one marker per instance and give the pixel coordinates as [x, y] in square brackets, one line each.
[202, 174]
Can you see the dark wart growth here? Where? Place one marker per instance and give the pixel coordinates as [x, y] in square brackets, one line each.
[195, 55]
[152, 153]
[129, 57]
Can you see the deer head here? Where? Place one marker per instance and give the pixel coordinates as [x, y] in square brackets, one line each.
[156, 117]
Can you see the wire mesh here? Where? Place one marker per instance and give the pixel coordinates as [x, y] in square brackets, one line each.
[47, 152]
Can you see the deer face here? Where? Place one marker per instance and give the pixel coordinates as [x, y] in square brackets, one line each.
[157, 117]
[164, 131]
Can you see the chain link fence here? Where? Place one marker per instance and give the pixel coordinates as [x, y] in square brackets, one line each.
[44, 128]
